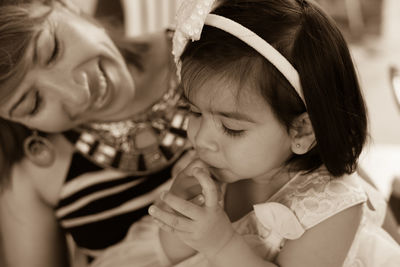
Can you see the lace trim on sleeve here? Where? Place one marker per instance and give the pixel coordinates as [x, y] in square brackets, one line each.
[317, 196]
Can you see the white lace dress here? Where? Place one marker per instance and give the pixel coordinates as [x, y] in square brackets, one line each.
[302, 203]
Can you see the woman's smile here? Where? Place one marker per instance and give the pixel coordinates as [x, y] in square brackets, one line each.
[76, 72]
[100, 89]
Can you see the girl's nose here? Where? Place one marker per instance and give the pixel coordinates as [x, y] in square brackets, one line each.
[205, 138]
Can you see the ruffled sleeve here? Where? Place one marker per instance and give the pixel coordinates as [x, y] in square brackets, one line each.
[280, 222]
[276, 216]
[317, 196]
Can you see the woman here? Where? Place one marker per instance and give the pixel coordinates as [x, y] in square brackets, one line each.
[89, 131]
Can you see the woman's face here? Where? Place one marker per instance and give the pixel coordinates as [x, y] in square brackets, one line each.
[76, 75]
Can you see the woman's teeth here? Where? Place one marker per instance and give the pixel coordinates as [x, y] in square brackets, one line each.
[102, 90]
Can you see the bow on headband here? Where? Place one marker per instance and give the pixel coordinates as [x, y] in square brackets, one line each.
[190, 20]
[193, 14]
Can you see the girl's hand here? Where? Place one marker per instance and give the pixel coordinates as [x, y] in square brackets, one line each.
[185, 185]
[207, 228]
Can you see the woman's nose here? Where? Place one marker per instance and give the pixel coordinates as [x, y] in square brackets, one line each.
[70, 85]
[205, 137]
[71, 93]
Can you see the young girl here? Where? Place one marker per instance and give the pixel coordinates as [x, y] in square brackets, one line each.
[278, 122]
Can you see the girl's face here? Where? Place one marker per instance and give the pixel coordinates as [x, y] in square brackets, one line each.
[76, 75]
[238, 136]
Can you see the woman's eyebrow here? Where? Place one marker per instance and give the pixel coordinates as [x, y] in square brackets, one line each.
[17, 104]
[35, 46]
[34, 61]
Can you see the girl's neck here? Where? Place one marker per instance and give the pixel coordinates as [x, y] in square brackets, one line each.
[242, 195]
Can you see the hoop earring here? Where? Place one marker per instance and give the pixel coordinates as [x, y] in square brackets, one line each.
[39, 150]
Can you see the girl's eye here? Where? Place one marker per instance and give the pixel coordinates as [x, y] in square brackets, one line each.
[38, 101]
[232, 133]
[194, 113]
[55, 51]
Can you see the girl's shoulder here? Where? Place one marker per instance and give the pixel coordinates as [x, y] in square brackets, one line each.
[45, 182]
[316, 196]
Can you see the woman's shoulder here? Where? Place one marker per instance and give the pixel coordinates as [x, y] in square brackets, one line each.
[45, 182]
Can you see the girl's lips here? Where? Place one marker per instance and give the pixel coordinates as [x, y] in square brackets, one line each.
[213, 172]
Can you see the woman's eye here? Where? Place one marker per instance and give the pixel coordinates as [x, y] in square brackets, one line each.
[55, 51]
[36, 106]
[231, 132]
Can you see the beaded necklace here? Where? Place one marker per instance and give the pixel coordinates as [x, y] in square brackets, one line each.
[143, 144]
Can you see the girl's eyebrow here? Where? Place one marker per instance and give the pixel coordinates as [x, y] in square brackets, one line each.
[236, 116]
[231, 115]
[186, 99]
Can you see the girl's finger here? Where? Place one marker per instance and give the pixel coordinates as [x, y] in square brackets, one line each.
[164, 226]
[172, 220]
[197, 163]
[198, 200]
[182, 206]
[210, 189]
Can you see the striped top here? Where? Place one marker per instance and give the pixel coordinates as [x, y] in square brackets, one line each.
[97, 206]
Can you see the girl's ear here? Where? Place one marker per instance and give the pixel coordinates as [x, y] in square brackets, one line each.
[302, 134]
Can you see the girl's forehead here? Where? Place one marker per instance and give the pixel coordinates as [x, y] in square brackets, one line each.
[210, 87]
[216, 92]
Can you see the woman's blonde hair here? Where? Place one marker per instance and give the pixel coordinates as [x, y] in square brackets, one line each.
[17, 28]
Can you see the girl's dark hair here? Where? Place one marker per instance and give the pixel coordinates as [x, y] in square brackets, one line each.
[17, 28]
[313, 44]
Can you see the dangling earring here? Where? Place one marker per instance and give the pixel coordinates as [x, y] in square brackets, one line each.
[39, 150]
[298, 145]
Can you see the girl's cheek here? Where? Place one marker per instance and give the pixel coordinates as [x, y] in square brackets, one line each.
[193, 127]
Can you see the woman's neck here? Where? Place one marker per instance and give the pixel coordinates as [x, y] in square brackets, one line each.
[153, 81]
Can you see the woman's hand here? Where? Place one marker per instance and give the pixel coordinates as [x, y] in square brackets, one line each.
[207, 228]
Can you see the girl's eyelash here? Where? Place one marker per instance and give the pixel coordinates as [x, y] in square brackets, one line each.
[195, 114]
[226, 130]
[232, 133]
[38, 101]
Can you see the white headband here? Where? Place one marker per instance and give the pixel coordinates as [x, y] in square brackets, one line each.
[194, 14]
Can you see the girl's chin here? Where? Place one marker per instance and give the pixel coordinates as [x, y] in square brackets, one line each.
[222, 176]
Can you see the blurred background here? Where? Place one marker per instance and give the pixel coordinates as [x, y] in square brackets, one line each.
[372, 28]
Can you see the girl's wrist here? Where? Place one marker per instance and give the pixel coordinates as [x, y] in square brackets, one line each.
[219, 253]
[237, 252]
